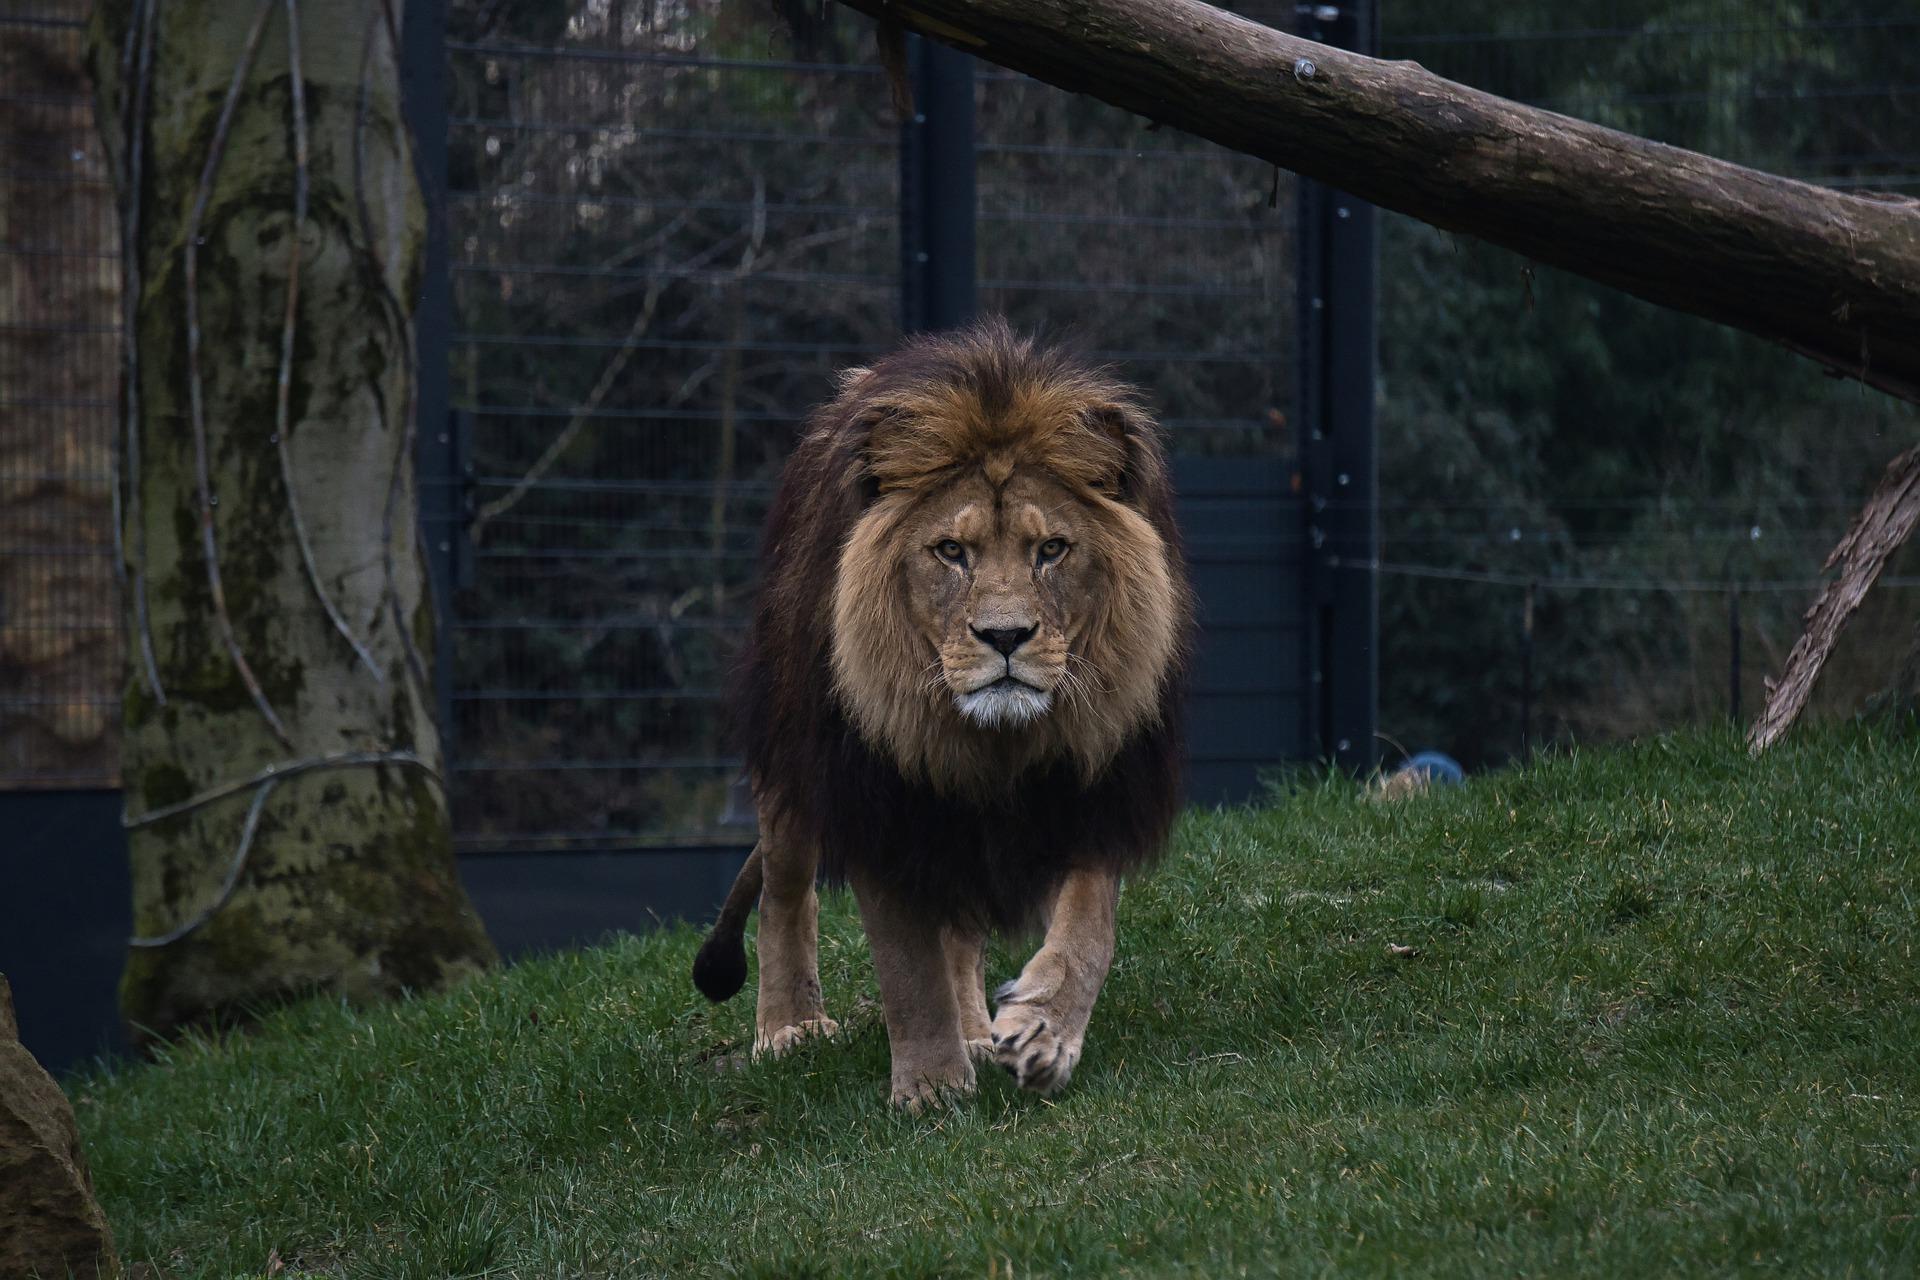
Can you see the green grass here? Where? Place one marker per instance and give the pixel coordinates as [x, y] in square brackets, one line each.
[1662, 1016]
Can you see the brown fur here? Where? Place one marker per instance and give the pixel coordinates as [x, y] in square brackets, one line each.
[861, 685]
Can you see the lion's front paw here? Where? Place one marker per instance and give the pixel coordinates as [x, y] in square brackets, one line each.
[926, 1093]
[1032, 1048]
[772, 1044]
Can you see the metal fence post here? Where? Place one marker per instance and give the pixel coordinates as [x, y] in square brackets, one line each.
[936, 191]
[1338, 460]
[423, 80]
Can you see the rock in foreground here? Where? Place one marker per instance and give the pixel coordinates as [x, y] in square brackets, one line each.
[50, 1224]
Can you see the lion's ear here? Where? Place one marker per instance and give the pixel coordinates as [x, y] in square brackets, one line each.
[866, 427]
[1141, 477]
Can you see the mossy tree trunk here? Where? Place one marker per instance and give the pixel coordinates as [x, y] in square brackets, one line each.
[287, 819]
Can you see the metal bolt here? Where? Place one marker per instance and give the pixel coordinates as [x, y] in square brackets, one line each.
[1304, 69]
[445, 545]
[1343, 212]
[1344, 478]
[1753, 534]
[1345, 745]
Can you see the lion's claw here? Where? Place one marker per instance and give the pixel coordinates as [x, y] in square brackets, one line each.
[1026, 1045]
[927, 1094]
[777, 1042]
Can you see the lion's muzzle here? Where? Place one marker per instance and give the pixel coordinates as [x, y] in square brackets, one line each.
[1007, 703]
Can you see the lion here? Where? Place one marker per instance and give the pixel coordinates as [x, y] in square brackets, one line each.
[961, 696]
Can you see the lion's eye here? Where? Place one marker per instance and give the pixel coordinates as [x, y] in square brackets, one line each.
[950, 551]
[1051, 550]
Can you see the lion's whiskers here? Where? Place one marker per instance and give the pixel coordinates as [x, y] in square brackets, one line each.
[1085, 695]
[1102, 687]
[933, 677]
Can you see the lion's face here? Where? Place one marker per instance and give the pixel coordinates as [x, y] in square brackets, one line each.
[999, 585]
[1004, 600]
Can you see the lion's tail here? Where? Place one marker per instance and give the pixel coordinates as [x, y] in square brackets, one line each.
[721, 967]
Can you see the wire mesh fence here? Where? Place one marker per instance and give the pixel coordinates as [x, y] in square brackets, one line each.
[59, 354]
[667, 234]
[670, 226]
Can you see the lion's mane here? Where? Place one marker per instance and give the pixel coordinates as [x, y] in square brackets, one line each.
[961, 825]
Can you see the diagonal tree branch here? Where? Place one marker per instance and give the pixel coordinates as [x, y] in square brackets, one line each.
[1877, 532]
[609, 374]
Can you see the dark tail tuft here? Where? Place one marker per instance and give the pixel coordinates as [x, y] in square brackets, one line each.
[720, 969]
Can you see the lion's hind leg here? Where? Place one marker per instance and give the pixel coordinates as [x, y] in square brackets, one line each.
[1041, 1024]
[790, 1007]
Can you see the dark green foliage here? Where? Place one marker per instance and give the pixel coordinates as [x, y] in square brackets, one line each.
[1535, 424]
[1660, 1016]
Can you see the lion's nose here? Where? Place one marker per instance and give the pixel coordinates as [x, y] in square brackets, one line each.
[1005, 639]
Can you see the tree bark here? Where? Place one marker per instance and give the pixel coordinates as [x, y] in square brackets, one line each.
[287, 817]
[1831, 275]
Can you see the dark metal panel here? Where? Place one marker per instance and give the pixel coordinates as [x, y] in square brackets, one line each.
[1217, 782]
[1230, 596]
[1248, 725]
[1241, 522]
[535, 902]
[1230, 659]
[65, 914]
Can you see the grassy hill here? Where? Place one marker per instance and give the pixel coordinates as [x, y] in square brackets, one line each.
[1660, 1014]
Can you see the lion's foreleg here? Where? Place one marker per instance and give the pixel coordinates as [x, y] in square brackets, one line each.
[1041, 1024]
[790, 1007]
[966, 951]
[916, 990]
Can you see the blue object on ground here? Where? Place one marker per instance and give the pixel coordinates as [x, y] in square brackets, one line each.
[1436, 766]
